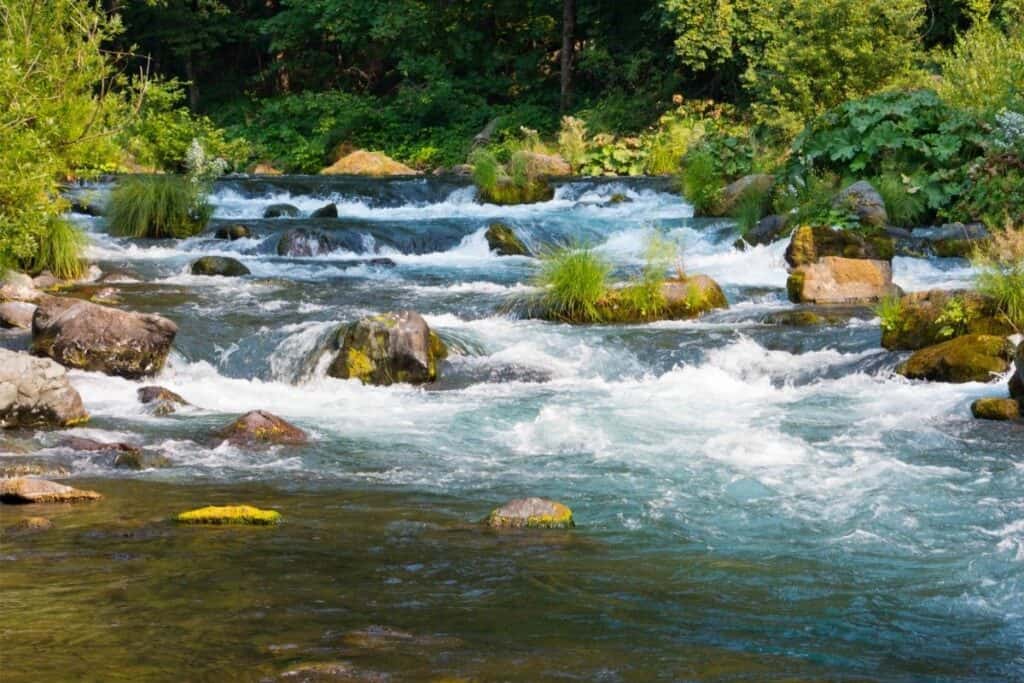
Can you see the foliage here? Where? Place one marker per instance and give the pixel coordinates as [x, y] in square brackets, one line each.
[572, 141]
[953, 319]
[1000, 266]
[890, 312]
[913, 133]
[751, 207]
[702, 183]
[984, 73]
[60, 251]
[157, 206]
[644, 296]
[486, 169]
[574, 280]
[994, 190]
[904, 201]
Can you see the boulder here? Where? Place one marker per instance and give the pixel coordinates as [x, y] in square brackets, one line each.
[35, 392]
[301, 242]
[618, 198]
[864, 200]
[949, 240]
[508, 193]
[23, 490]
[996, 409]
[361, 162]
[106, 295]
[87, 336]
[932, 317]
[19, 287]
[160, 401]
[17, 314]
[30, 525]
[504, 241]
[388, 348]
[78, 443]
[734, 191]
[223, 266]
[230, 514]
[1017, 380]
[281, 211]
[261, 426]
[970, 358]
[326, 211]
[544, 165]
[809, 244]
[836, 280]
[119, 276]
[767, 230]
[233, 232]
[692, 296]
[46, 280]
[140, 460]
[532, 513]
[264, 168]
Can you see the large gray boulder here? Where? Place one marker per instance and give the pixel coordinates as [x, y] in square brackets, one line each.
[86, 336]
[865, 201]
[35, 392]
[387, 349]
[17, 314]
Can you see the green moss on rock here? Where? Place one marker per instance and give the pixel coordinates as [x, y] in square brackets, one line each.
[809, 244]
[507, 193]
[230, 514]
[929, 318]
[531, 513]
[503, 240]
[970, 358]
[996, 409]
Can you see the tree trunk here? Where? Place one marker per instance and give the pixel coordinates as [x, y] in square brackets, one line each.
[568, 51]
[193, 86]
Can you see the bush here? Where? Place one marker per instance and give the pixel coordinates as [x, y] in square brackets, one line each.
[1000, 275]
[890, 313]
[157, 206]
[572, 141]
[904, 201]
[702, 183]
[984, 72]
[60, 249]
[995, 187]
[753, 205]
[575, 281]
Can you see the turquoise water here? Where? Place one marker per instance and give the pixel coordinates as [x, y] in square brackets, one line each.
[754, 501]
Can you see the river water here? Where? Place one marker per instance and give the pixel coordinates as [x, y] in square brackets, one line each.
[755, 501]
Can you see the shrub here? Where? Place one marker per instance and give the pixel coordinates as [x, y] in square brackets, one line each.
[60, 249]
[486, 169]
[890, 312]
[751, 207]
[984, 72]
[643, 297]
[702, 183]
[572, 141]
[157, 206]
[1000, 275]
[995, 187]
[575, 281]
[904, 201]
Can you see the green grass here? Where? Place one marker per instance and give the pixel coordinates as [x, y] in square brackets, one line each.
[575, 281]
[486, 170]
[157, 206]
[905, 205]
[751, 207]
[890, 311]
[1000, 266]
[60, 251]
[702, 184]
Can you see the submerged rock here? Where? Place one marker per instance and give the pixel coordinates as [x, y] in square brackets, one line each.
[504, 241]
[508, 193]
[87, 336]
[261, 426]
[161, 401]
[996, 409]
[224, 266]
[301, 242]
[17, 314]
[281, 211]
[30, 525]
[618, 198]
[233, 232]
[106, 295]
[928, 318]
[230, 514]
[865, 201]
[326, 211]
[361, 162]
[118, 275]
[35, 392]
[970, 358]
[24, 490]
[78, 443]
[389, 348]
[533, 513]
[140, 460]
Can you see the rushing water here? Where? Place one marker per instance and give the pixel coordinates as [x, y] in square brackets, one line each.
[755, 501]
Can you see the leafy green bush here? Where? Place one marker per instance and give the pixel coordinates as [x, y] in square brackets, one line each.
[1000, 266]
[157, 206]
[984, 72]
[913, 133]
[890, 313]
[60, 251]
[702, 183]
[904, 202]
[575, 281]
[753, 205]
[486, 169]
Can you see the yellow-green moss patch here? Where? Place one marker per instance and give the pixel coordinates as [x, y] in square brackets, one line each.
[230, 514]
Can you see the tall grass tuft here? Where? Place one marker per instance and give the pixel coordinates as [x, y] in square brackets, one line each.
[904, 203]
[157, 206]
[486, 169]
[643, 297]
[702, 184]
[1000, 266]
[60, 251]
[751, 207]
[575, 281]
[890, 313]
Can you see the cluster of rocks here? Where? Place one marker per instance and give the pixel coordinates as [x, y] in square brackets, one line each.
[830, 266]
[1005, 408]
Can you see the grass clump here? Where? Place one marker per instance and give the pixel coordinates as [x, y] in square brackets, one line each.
[890, 312]
[905, 204]
[157, 206]
[752, 205]
[702, 184]
[59, 252]
[575, 282]
[1000, 275]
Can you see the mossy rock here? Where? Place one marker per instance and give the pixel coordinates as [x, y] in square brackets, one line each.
[230, 514]
[954, 248]
[1017, 380]
[1002, 409]
[504, 241]
[223, 266]
[531, 513]
[810, 243]
[281, 211]
[618, 198]
[160, 401]
[24, 490]
[140, 460]
[233, 232]
[260, 426]
[864, 200]
[387, 349]
[970, 358]
[508, 193]
[935, 316]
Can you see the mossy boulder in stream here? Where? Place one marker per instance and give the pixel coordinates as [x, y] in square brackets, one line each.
[503, 240]
[506, 192]
[531, 513]
[923, 319]
[970, 358]
[281, 211]
[829, 266]
[811, 243]
[388, 348]
[1001, 409]
[865, 201]
[230, 514]
[24, 490]
[233, 232]
[224, 266]
[160, 401]
[259, 426]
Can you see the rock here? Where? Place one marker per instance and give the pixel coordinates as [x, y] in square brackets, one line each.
[970, 358]
[78, 443]
[337, 672]
[1017, 380]
[281, 211]
[17, 314]
[809, 244]
[533, 513]
[932, 317]
[30, 525]
[504, 241]
[161, 401]
[767, 230]
[864, 200]
[86, 336]
[463, 170]
[733, 192]
[301, 242]
[106, 295]
[508, 193]
[996, 409]
[23, 490]
[949, 240]
[544, 165]
[389, 348]
[119, 276]
[19, 287]
[140, 460]
[223, 266]
[264, 168]
[35, 392]
[361, 162]
[233, 232]
[261, 426]
[618, 198]
[230, 514]
[803, 318]
[86, 207]
[692, 296]
[45, 280]
[835, 280]
[326, 211]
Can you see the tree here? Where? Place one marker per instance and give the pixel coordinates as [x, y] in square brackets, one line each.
[568, 51]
